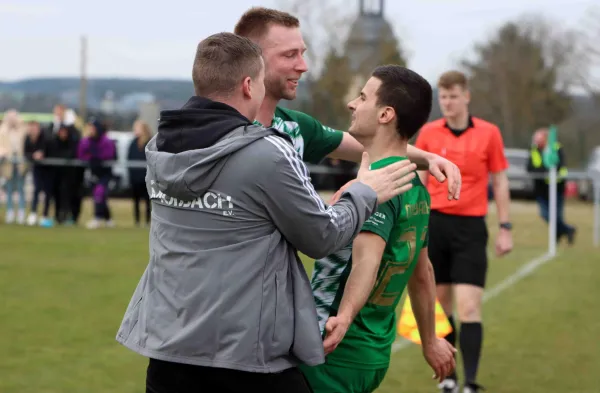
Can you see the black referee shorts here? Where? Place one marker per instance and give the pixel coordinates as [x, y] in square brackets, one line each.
[458, 249]
[167, 377]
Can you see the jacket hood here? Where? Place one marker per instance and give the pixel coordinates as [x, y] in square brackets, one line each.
[193, 144]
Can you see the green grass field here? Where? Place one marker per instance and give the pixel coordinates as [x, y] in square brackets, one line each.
[64, 292]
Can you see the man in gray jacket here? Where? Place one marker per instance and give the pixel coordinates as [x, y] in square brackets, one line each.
[225, 304]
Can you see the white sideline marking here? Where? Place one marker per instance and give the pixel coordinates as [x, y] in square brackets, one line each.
[508, 282]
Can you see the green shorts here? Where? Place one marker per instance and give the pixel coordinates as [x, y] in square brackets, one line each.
[326, 378]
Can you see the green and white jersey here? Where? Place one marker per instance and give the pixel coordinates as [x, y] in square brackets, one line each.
[402, 222]
[311, 139]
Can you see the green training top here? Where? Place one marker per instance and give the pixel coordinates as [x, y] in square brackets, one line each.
[311, 139]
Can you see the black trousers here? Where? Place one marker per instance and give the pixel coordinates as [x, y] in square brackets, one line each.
[140, 193]
[167, 377]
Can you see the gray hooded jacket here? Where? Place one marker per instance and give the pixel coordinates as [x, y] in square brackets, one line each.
[231, 205]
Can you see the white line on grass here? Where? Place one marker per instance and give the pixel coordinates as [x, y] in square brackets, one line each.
[508, 282]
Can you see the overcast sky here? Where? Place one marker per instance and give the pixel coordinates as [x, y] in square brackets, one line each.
[141, 39]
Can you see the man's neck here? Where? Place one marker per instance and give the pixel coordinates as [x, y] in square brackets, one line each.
[235, 103]
[267, 111]
[387, 144]
[460, 122]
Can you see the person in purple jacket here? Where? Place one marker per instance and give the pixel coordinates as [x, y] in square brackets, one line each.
[97, 148]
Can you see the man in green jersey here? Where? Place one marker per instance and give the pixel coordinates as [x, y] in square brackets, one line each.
[278, 34]
[357, 289]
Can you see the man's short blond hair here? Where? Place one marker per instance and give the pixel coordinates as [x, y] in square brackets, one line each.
[453, 78]
[222, 62]
[255, 22]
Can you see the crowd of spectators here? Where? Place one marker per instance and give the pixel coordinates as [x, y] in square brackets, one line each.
[57, 157]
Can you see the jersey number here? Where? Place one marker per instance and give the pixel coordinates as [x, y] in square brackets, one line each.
[381, 297]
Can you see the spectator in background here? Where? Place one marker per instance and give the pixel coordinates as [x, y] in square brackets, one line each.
[541, 186]
[13, 164]
[96, 148]
[59, 118]
[64, 146]
[77, 173]
[137, 176]
[35, 150]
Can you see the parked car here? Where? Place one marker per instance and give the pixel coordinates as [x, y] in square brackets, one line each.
[585, 187]
[521, 187]
[122, 141]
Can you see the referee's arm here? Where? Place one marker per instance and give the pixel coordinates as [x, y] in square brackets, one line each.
[501, 195]
[497, 165]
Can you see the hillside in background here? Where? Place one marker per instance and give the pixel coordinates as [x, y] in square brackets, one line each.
[40, 94]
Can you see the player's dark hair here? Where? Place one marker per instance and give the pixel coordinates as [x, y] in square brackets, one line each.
[408, 93]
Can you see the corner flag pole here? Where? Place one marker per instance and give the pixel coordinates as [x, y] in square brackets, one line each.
[552, 211]
[551, 161]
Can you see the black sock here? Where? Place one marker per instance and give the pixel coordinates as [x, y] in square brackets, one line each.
[471, 338]
[451, 338]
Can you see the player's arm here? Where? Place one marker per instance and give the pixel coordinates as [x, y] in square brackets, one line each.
[421, 289]
[367, 251]
[351, 150]
[422, 144]
[323, 141]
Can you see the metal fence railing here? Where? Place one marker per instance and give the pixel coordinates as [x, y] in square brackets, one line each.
[592, 176]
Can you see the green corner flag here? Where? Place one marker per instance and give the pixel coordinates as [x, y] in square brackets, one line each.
[550, 154]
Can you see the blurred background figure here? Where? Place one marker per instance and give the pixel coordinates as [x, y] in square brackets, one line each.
[64, 145]
[60, 118]
[137, 175]
[35, 150]
[96, 148]
[541, 186]
[77, 172]
[13, 166]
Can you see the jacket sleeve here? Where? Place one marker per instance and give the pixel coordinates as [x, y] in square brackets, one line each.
[107, 150]
[300, 214]
[561, 159]
[83, 149]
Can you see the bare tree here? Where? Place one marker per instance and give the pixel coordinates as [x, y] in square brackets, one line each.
[522, 76]
[324, 25]
[590, 35]
[339, 64]
[329, 92]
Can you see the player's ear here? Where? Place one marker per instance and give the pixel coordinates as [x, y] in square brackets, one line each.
[247, 87]
[467, 96]
[386, 115]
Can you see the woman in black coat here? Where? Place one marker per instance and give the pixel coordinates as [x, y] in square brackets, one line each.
[137, 175]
